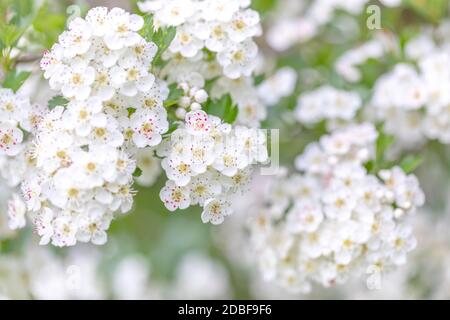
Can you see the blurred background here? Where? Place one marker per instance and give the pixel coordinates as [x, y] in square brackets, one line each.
[154, 254]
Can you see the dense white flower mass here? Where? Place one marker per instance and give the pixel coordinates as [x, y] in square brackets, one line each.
[213, 43]
[207, 162]
[143, 118]
[224, 27]
[17, 117]
[84, 154]
[78, 170]
[335, 219]
[327, 103]
[414, 99]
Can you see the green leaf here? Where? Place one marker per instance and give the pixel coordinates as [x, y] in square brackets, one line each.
[259, 79]
[49, 24]
[57, 101]
[231, 113]
[131, 111]
[174, 95]
[370, 166]
[384, 142]
[137, 172]
[10, 34]
[14, 80]
[22, 12]
[148, 30]
[263, 6]
[162, 37]
[223, 108]
[209, 83]
[411, 163]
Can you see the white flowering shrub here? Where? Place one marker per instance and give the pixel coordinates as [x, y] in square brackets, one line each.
[208, 139]
[416, 94]
[111, 109]
[84, 150]
[225, 28]
[207, 162]
[213, 44]
[335, 219]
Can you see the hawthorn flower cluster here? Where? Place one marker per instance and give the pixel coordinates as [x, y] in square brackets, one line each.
[413, 99]
[213, 44]
[19, 119]
[335, 219]
[223, 27]
[13, 115]
[85, 152]
[207, 162]
[327, 103]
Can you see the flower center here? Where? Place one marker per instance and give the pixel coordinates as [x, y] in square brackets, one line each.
[238, 56]
[100, 132]
[72, 193]
[9, 107]
[133, 74]
[76, 79]
[185, 38]
[200, 189]
[122, 28]
[7, 139]
[239, 24]
[83, 114]
[150, 103]
[91, 166]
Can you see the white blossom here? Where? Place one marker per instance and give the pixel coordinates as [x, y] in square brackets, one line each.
[325, 226]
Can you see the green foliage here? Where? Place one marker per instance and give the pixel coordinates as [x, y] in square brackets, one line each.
[162, 37]
[174, 95]
[223, 108]
[263, 6]
[23, 9]
[148, 30]
[49, 25]
[19, 15]
[14, 79]
[57, 101]
[411, 163]
[16, 244]
[131, 111]
[259, 79]
[137, 172]
[433, 10]
[10, 34]
[383, 143]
